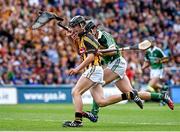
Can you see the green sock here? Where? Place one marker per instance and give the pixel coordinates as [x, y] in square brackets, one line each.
[165, 88]
[156, 96]
[95, 108]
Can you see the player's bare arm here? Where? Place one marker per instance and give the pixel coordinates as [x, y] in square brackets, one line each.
[108, 53]
[84, 64]
[146, 64]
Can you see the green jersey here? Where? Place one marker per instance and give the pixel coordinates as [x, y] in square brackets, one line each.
[107, 41]
[152, 55]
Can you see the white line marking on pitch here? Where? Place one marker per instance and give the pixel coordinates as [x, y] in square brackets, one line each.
[138, 123]
[145, 123]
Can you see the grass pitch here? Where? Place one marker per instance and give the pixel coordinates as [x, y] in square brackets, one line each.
[128, 117]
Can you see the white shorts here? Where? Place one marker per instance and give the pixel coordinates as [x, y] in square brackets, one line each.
[95, 74]
[156, 73]
[118, 66]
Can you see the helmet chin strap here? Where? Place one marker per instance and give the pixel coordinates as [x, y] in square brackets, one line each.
[81, 26]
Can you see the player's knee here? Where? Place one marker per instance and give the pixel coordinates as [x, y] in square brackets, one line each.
[75, 92]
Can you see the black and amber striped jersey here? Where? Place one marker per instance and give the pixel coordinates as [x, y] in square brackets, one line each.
[89, 45]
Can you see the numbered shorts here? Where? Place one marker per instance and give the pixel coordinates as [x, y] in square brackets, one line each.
[156, 73]
[95, 74]
[118, 66]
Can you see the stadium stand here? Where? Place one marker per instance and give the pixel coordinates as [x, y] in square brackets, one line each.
[44, 56]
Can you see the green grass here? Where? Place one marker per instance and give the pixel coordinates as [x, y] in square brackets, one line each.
[49, 117]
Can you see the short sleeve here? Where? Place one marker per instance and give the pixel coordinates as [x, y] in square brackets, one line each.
[91, 44]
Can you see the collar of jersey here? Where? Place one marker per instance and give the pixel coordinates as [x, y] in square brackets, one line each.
[151, 50]
[99, 34]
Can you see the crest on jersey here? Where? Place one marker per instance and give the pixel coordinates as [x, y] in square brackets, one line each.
[82, 50]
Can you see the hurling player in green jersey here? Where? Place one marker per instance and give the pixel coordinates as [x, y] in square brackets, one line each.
[152, 60]
[115, 70]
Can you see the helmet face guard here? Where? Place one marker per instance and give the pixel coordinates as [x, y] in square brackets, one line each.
[76, 21]
[152, 40]
[89, 26]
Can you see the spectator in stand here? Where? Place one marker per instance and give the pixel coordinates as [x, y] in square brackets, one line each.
[27, 57]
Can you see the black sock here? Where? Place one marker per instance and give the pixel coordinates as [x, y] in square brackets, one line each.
[128, 96]
[78, 117]
[131, 95]
[124, 96]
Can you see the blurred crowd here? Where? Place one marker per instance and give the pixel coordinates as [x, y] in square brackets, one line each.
[43, 56]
